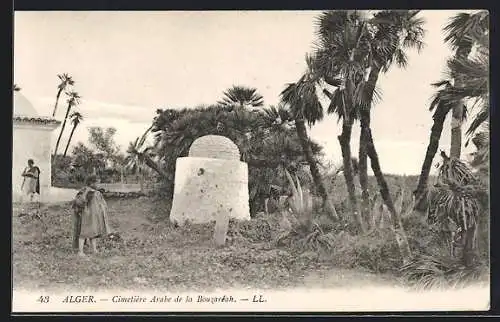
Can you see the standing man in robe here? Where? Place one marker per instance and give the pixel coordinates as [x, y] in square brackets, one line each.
[31, 181]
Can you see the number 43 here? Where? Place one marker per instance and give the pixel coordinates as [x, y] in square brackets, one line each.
[43, 299]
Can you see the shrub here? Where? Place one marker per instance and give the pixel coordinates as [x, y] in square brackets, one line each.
[427, 271]
[300, 230]
[377, 251]
[264, 145]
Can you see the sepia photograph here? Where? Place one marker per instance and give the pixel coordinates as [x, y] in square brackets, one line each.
[251, 161]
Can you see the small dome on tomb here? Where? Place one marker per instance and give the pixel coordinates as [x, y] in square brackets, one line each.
[214, 147]
[22, 106]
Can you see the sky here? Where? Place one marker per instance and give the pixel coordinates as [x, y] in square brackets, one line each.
[128, 64]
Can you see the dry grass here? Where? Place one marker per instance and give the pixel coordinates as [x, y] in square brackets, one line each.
[153, 255]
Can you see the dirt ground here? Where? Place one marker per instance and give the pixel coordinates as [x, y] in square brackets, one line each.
[154, 255]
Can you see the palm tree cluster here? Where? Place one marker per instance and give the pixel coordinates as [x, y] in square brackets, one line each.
[457, 191]
[73, 100]
[353, 49]
[468, 81]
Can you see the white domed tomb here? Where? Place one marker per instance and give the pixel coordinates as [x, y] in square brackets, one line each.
[31, 136]
[210, 181]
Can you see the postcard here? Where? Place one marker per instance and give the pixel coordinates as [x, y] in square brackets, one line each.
[250, 161]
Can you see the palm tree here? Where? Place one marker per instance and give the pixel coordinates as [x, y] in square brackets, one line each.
[441, 108]
[73, 100]
[376, 43]
[461, 31]
[473, 76]
[66, 80]
[242, 96]
[341, 60]
[76, 119]
[305, 107]
[141, 156]
[395, 31]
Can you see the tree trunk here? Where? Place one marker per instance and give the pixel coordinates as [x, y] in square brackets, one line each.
[57, 101]
[313, 166]
[470, 256]
[363, 141]
[62, 129]
[397, 225]
[456, 131]
[150, 163]
[141, 181]
[458, 110]
[69, 140]
[363, 169]
[345, 145]
[436, 130]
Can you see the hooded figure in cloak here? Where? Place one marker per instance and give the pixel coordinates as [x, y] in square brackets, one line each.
[90, 216]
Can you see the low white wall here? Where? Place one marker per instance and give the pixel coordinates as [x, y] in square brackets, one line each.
[205, 187]
[31, 143]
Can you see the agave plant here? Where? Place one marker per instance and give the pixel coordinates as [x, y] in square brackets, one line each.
[303, 232]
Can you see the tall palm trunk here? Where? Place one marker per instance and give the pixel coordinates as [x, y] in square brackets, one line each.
[141, 181]
[57, 101]
[345, 145]
[456, 130]
[458, 110]
[363, 172]
[62, 129]
[313, 166]
[397, 225]
[365, 125]
[437, 128]
[69, 139]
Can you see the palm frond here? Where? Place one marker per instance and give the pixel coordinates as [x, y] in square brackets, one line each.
[241, 95]
[464, 24]
[480, 118]
[302, 100]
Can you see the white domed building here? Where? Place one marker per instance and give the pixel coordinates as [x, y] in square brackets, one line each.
[31, 139]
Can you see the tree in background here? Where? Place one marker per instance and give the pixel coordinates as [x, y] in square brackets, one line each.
[76, 119]
[266, 142]
[73, 100]
[66, 81]
[242, 96]
[102, 141]
[86, 161]
[140, 157]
